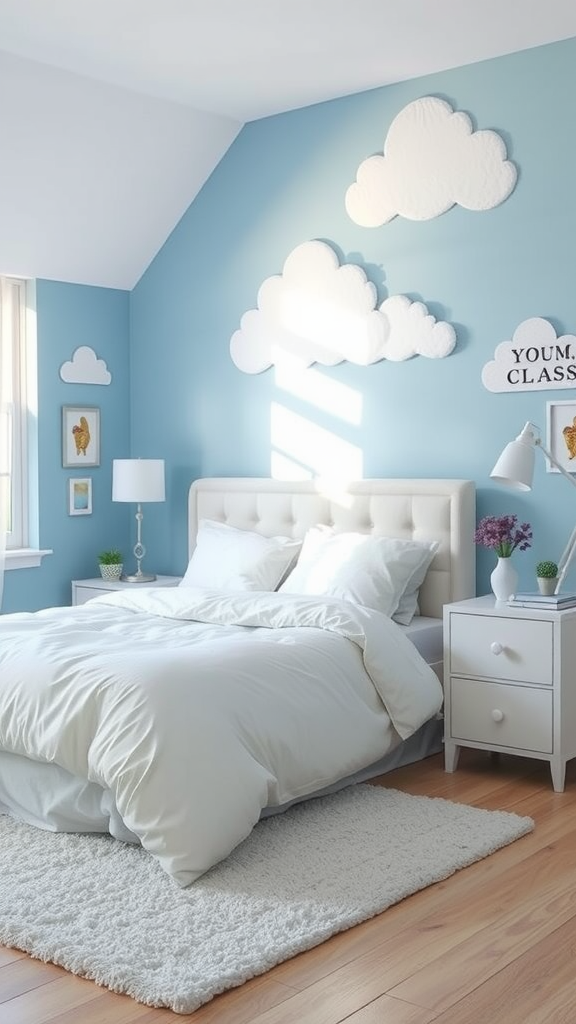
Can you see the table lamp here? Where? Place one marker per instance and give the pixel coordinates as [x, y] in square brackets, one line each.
[515, 468]
[138, 481]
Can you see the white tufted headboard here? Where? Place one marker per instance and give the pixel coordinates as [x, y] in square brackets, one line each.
[442, 510]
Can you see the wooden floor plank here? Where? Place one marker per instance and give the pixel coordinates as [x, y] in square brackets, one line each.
[25, 974]
[391, 1011]
[494, 940]
[43, 1004]
[538, 987]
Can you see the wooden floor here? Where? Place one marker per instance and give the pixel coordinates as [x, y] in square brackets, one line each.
[493, 944]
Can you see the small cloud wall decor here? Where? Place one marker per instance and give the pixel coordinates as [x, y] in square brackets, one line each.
[318, 311]
[536, 359]
[85, 368]
[432, 160]
[413, 331]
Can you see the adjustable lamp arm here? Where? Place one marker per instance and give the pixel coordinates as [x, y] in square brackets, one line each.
[515, 468]
[570, 549]
[538, 443]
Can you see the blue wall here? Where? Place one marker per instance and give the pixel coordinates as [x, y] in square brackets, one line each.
[69, 316]
[281, 183]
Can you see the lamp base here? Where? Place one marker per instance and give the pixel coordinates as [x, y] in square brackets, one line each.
[139, 577]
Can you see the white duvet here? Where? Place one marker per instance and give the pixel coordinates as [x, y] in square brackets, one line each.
[196, 710]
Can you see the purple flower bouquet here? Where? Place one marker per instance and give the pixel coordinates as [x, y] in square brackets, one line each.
[503, 535]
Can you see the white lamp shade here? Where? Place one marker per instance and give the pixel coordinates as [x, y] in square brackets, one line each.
[138, 480]
[515, 467]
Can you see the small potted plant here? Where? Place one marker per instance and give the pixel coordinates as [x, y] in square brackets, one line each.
[111, 564]
[547, 576]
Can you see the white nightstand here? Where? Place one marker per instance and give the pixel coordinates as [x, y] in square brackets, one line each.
[510, 682]
[85, 590]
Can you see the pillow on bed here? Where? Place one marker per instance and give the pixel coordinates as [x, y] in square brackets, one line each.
[408, 605]
[229, 559]
[367, 570]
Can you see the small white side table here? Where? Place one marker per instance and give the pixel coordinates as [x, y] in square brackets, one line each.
[510, 682]
[85, 590]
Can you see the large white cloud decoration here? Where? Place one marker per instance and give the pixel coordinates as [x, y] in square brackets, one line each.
[317, 311]
[433, 160]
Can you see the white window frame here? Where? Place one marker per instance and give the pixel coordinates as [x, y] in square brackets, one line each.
[14, 380]
[19, 374]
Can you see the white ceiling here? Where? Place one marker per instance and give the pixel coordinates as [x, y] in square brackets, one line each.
[249, 58]
[195, 71]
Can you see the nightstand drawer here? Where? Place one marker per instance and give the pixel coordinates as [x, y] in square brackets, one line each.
[502, 648]
[500, 715]
[84, 594]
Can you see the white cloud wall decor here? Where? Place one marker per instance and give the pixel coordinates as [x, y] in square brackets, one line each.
[85, 368]
[536, 359]
[433, 160]
[317, 311]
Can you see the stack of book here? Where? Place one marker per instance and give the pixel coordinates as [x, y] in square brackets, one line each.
[552, 602]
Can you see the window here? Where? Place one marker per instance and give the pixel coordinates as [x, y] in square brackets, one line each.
[17, 406]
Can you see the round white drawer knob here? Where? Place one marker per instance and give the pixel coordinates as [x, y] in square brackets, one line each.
[496, 648]
[497, 715]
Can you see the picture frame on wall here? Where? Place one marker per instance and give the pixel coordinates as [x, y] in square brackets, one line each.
[80, 496]
[561, 435]
[80, 435]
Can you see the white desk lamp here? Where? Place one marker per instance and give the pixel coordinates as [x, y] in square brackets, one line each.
[515, 468]
[138, 480]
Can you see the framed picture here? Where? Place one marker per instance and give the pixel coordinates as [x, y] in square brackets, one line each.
[80, 496]
[80, 435]
[561, 435]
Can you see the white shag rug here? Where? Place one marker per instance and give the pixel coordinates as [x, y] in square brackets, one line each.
[107, 911]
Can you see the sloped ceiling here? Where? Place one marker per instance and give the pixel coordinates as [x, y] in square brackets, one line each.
[93, 177]
[115, 112]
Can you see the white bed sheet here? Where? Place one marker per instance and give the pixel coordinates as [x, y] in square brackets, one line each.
[427, 635]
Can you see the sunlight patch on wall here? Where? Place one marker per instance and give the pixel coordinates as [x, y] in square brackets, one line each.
[312, 447]
[283, 468]
[330, 395]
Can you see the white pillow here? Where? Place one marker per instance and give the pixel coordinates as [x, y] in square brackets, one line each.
[367, 570]
[229, 559]
[408, 605]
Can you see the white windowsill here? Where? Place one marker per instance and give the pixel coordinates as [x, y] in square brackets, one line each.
[25, 558]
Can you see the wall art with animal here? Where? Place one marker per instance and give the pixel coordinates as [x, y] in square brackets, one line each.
[80, 436]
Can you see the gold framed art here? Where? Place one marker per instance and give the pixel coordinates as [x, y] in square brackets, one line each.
[80, 435]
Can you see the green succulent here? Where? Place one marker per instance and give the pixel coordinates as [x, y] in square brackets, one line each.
[111, 557]
[547, 570]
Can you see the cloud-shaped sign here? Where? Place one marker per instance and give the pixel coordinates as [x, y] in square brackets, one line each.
[433, 160]
[85, 368]
[535, 359]
[317, 311]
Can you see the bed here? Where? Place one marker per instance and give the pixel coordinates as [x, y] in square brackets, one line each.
[176, 718]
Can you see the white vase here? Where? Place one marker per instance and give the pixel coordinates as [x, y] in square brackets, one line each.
[504, 579]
